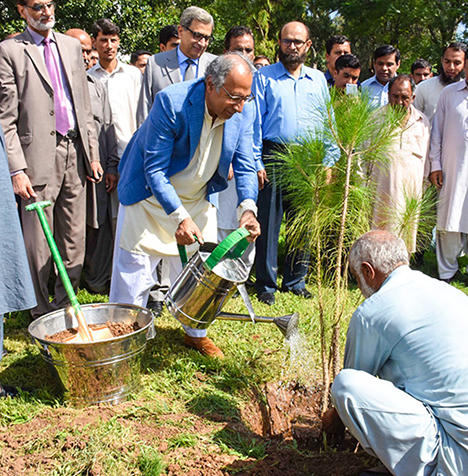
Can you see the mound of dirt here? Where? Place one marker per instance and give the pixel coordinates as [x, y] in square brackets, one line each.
[117, 329]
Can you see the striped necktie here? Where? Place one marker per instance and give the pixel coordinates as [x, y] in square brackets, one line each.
[190, 71]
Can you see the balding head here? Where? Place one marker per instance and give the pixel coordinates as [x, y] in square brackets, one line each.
[374, 256]
[228, 81]
[85, 40]
[294, 43]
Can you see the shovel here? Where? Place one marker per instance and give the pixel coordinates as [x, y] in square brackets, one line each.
[85, 334]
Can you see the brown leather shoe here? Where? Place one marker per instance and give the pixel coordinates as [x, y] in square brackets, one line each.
[204, 345]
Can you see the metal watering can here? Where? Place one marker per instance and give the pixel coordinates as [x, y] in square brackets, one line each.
[210, 279]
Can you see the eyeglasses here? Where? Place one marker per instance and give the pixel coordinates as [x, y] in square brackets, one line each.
[244, 50]
[288, 42]
[41, 7]
[238, 99]
[199, 36]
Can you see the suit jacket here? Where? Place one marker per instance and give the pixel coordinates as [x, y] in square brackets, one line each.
[98, 198]
[167, 141]
[27, 105]
[161, 71]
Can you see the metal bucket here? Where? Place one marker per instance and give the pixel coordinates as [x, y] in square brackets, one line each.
[207, 282]
[106, 371]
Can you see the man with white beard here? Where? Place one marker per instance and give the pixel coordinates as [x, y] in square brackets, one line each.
[51, 142]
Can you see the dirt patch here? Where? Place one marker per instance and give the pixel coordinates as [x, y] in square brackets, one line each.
[117, 329]
[277, 433]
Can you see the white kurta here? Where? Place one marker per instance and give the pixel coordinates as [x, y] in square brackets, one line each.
[449, 153]
[147, 229]
[123, 87]
[401, 177]
[427, 95]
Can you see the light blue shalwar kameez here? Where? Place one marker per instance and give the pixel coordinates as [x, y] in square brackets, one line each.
[413, 335]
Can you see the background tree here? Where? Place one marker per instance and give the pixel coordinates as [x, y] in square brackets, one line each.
[419, 28]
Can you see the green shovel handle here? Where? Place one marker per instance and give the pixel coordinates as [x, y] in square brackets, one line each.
[238, 239]
[39, 207]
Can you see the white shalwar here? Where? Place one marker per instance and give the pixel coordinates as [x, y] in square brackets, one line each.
[449, 153]
[145, 232]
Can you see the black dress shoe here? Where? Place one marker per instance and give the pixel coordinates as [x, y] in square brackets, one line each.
[302, 292]
[155, 307]
[267, 298]
[6, 391]
[298, 292]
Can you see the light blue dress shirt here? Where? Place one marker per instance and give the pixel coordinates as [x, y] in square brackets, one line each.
[413, 332]
[183, 63]
[289, 108]
[377, 91]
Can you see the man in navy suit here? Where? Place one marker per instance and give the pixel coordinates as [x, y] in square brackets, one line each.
[171, 171]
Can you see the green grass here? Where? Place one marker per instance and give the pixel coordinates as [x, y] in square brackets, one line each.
[189, 405]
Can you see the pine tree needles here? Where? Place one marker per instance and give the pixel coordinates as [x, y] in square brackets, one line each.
[333, 205]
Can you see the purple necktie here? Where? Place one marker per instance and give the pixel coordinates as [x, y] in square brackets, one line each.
[62, 123]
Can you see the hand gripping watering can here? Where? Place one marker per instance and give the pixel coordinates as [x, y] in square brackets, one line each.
[209, 280]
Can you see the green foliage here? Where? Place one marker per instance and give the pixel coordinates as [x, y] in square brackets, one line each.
[183, 440]
[240, 445]
[333, 207]
[362, 137]
[419, 28]
[150, 462]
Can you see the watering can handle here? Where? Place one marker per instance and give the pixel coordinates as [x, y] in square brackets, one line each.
[237, 237]
[183, 252]
[183, 255]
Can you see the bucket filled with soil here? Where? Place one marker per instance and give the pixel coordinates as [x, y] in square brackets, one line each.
[103, 371]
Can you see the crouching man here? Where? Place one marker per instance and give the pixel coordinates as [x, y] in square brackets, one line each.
[170, 173]
[403, 392]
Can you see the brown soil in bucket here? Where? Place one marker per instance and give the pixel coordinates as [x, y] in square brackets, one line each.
[117, 329]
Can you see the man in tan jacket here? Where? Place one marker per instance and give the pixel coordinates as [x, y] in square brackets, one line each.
[51, 142]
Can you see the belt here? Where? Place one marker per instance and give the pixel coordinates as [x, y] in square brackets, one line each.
[269, 150]
[70, 135]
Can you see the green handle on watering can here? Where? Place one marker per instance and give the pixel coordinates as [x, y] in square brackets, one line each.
[39, 207]
[237, 237]
[183, 252]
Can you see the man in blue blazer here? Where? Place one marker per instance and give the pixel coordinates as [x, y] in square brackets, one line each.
[171, 171]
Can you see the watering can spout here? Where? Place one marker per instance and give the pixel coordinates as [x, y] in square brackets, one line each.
[287, 324]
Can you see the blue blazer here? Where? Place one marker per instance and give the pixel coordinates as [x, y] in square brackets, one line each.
[167, 141]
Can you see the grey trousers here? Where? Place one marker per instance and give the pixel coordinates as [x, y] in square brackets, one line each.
[66, 217]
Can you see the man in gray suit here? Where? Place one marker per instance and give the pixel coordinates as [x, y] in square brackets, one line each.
[187, 61]
[51, 142]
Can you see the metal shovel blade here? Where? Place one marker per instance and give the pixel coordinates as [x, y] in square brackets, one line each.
[85, 333]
